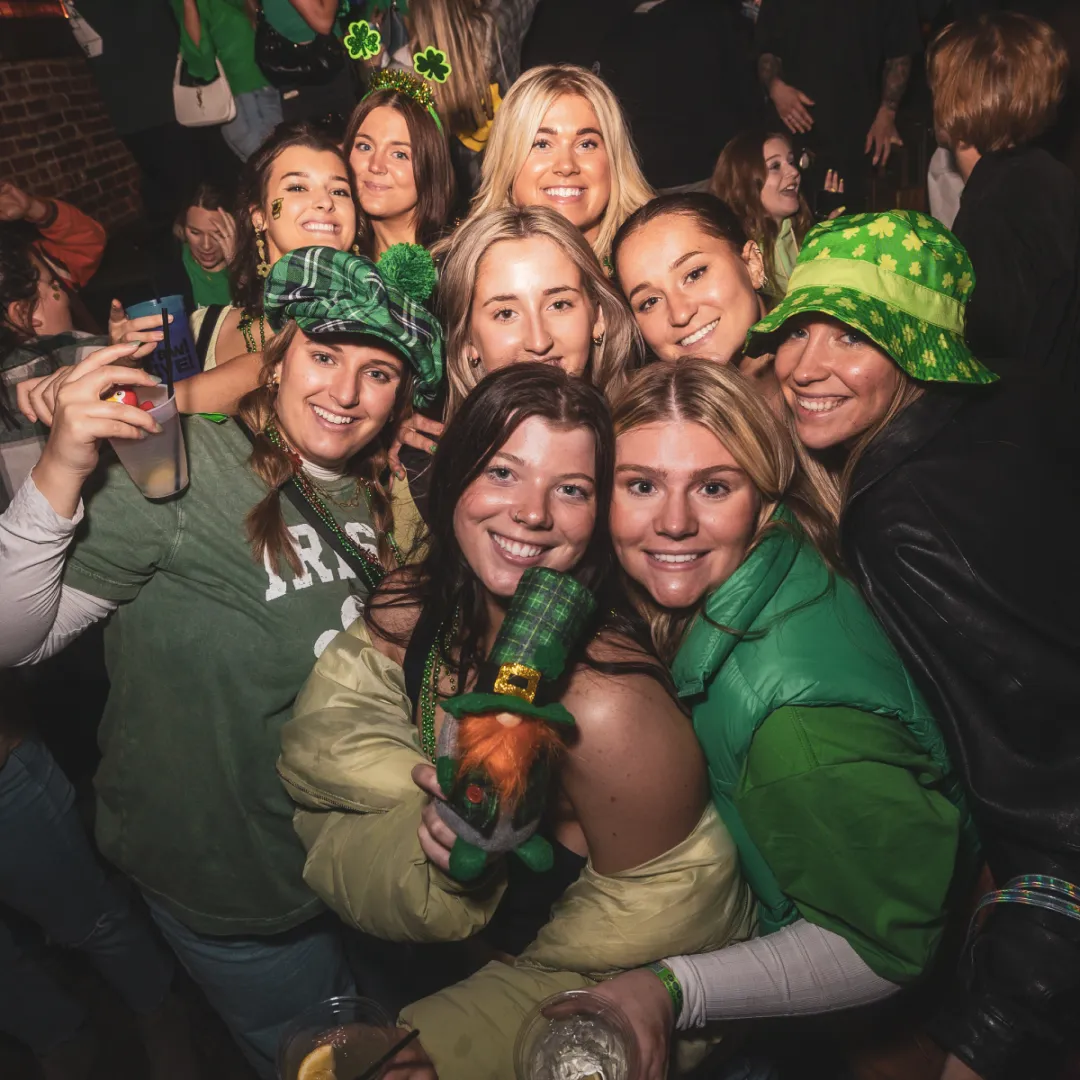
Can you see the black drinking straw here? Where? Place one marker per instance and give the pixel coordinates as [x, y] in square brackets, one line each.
[373, 1070]
[168, 351]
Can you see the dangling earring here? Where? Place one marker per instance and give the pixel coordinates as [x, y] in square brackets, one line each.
[764, 283]
[598, 340]
[356, 249]
[263, 269]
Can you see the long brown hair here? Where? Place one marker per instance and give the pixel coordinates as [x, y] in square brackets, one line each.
[265, 525]
[445, 583]
[247, 286]
[738, 180]
[432, 170]
[722, 401]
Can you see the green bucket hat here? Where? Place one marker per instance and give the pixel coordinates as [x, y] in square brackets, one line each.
[547, 615]
[899, 277]
[332, 292]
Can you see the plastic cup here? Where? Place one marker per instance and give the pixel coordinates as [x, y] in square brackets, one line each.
[185, 361]
[356, 1031]
[158, 463]
[576, 1035]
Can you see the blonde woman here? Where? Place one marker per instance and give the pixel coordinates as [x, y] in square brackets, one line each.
[824, 760]
[521, 284]
[561, 141]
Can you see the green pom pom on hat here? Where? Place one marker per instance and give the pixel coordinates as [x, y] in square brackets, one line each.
[900, 278]
[547, 616]
[411, 268]
[334, 292]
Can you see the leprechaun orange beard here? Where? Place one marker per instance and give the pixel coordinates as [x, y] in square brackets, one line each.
[505, 751]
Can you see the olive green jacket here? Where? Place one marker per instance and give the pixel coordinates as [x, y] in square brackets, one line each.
[347, 758]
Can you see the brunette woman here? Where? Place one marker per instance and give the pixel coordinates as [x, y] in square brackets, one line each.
[561, 141]
[207, 233]
[400, 165]
[692, 279]
[218, 600]
[295, 192]
[758, 176]
[959, 515]
[824, 762]
[522, 479]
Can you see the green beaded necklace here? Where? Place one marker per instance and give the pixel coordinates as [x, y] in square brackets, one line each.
[372, 568]
[244, 327]
[429, 688]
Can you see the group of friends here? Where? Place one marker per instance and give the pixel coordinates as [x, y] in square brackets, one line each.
[823, 705]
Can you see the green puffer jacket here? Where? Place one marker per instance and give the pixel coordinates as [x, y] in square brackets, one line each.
[824, 760]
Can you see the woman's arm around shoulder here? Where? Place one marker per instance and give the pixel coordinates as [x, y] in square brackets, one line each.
[634, 771]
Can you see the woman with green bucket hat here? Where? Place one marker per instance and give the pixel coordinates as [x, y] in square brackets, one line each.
[958, 502]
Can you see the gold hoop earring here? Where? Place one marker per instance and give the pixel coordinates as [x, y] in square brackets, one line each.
[598, 340]
[474, 361]
[263, 269]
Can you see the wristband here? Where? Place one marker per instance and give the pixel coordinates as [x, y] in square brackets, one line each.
[671, 984]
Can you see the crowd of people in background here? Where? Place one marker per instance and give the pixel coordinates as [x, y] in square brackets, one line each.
[620, 292]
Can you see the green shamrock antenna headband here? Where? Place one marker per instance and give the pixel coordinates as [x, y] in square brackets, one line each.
[363, 41]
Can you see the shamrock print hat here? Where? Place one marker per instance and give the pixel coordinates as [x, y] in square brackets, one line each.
[898, 277]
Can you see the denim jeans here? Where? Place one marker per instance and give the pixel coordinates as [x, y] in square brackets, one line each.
[49, 874]
[258, 984]
[258, 112]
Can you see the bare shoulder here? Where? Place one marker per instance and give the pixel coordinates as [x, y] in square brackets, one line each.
[392, 616]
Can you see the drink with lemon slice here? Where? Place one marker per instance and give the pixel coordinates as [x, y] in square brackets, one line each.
[338, 1039]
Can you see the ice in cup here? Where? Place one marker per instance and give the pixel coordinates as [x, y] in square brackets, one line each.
[576, 1035]
[338, 1039]
[157, 464]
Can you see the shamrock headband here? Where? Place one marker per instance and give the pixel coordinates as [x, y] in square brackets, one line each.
[431, 65]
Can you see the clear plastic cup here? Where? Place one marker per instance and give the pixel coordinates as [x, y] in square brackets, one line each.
[576, 1035]
[157, 464]
[346, 1035]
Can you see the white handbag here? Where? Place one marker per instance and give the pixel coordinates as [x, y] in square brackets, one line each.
[200, 106]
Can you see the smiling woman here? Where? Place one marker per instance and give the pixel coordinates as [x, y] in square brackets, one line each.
[560, 140]
[274, 546]
[400, 164]
[758, 177]
[522, 479]
[824, 762]
[691, 277]
[295, 191]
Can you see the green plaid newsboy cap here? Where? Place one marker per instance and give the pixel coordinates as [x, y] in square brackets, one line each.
[898, 277]
[333, 292]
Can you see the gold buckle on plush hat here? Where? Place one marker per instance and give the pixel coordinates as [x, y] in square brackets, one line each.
[509, 681]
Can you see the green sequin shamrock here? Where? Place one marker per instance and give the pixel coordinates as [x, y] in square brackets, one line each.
[363, 41]
[432, 64]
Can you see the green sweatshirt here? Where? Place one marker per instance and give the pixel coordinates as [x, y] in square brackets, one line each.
[227, 35]
[206, 653]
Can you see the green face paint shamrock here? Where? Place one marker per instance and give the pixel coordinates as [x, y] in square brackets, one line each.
[362, 41]
[432, 64]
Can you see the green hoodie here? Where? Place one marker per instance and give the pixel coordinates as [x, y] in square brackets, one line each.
[824, 761]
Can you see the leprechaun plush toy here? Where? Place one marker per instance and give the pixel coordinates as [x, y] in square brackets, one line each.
[498, 741]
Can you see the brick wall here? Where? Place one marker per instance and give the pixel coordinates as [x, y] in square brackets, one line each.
[56, 139]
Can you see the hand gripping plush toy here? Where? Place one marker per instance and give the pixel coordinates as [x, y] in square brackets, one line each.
[497, 743]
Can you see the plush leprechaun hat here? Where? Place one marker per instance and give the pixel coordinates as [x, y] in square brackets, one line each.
[547, 616]
[333, 292]
[900, 278]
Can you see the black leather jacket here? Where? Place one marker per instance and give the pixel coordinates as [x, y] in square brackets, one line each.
[961, 530]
